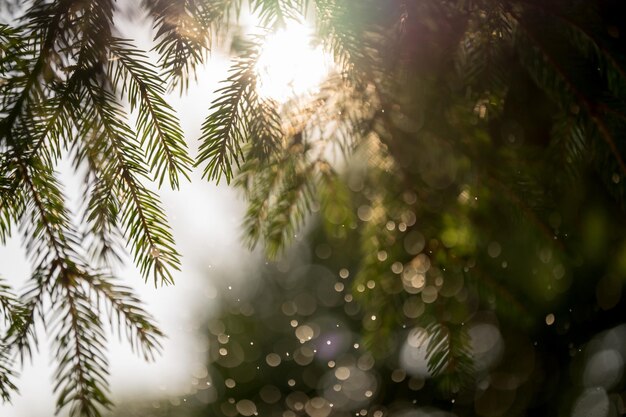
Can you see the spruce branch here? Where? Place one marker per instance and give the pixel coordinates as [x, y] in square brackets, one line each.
[101, 215]
[554, 75]
[485, 51]
[11, 198]
[21, 337]
[183, 40]
[7, 375]
[125, 309]
[78, 346]
[293, 203]
[265, 130]
[144, 222]
[157, 123]
[280, 197]
[224, 130]
[11, 313]
[588, 38]
[339, 27]
[449, 355]
[276, 13]
[45, 221]
[259, 187]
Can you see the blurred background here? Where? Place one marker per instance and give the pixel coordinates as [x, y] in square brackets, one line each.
[350, 319]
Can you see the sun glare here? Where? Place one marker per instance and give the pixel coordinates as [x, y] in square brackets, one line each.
[290, 65]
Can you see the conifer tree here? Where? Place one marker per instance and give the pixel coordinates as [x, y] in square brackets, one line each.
[453, 112]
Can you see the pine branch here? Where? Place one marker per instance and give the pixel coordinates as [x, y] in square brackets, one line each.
[101, 214]
[21, 337]
[100, 210]
[259, 188]
[276, 13]
[13, 51]
[570, 145]
[7, 375]
[22, 130]
[265, 129]
[127, 311]
[336, 205]
[339, 26]
[224, 130]
[144, 222]
[484, 51]
[45, 222]
[449, 355]
[280, 196]
[8, 301]
[589, 41]
[292, 205]
[51, 241]
[216, 16]
[157, 122]
[43, 107]
[78, 343]
[11, 313]
[183, 40]
[559, 78]
[52, 134]
[12, 202]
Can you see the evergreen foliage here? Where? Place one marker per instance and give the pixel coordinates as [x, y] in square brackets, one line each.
[463, 122]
